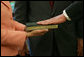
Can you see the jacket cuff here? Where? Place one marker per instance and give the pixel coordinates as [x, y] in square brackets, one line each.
[67, 17]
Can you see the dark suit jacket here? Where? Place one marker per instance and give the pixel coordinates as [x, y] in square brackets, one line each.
[56, 42]
[75, 12]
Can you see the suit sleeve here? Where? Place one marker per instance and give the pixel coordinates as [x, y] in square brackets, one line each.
[79, 29]
[20, 12]
[75, 11]
[13, 38]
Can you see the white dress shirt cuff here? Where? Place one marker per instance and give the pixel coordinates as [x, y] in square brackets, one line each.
[65, 14]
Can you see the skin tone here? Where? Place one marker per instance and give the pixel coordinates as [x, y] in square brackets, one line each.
[55, 20]
[37, 32]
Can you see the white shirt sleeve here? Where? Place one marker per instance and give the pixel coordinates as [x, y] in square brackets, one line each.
[65, 14]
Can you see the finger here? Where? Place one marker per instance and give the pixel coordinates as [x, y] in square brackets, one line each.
[44, 30]
[44, 22]
[42, 33]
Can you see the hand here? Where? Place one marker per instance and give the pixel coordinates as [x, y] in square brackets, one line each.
[37, 32]
[55, 20]
[80, 47]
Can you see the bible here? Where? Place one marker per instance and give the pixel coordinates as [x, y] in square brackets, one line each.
[34, 26]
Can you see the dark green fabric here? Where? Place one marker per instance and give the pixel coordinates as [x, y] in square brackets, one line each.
[56, 42]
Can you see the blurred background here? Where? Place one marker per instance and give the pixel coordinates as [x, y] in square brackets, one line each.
[12, 5]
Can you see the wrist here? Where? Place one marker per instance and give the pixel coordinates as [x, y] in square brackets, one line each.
[63, 17]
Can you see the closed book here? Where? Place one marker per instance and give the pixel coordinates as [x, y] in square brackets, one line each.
[34, 26]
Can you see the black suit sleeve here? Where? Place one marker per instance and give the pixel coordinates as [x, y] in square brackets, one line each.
[79, 28]
[20, 13]
[75, 10]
